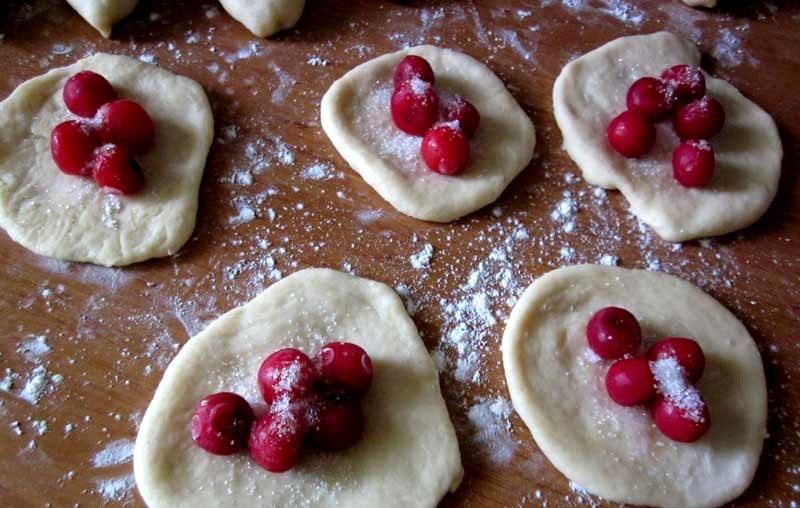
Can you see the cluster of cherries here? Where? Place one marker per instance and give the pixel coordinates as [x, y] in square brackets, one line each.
[313, 401]
[103, 142]
[663, 377]
[680, 94]
[447, 126]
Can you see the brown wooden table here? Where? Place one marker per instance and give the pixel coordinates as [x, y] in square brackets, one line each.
[108, 334]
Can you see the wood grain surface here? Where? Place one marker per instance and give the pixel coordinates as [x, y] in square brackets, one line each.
[110, 333]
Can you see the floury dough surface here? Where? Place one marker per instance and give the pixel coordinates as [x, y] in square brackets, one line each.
[356, 116]
[265, 17]
[408, 456]
[557, 387]
[102, 14]
[590, 92]
[69, 217]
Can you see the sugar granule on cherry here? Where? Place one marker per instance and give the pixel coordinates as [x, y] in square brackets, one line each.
[221, 423]
[276, 441]
[613, 332]
[687, 352]
[288, 371]
[678, 423]
[85, 92]
[693, 163]
[445, 149]
[652, 98]
[116, 171]
[72, 145]
[415, 106]
[464, 113]
[700, 119]
[687, 81]
[126, 123]
[631, 134]
[344, 369]
[630, 381]
[413, 66]
[339, 424]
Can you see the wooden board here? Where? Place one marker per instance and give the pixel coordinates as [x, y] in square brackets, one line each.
[110, 333]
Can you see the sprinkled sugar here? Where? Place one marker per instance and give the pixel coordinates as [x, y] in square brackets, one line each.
[672, 383]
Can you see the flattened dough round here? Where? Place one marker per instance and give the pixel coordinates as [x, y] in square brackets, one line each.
[356, 117]
[591, 90]
[69, 217]
[265, 17]
[102, 14]
[409, 454]
[700, 3]
[557, 387]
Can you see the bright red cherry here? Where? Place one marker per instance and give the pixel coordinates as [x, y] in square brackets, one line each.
[344, 369]
[72, 145]
[221, 423]
[116, 171]
[126, 123]
[700, 119]
[687, 352]
[693, 163]
[631, 134]
[286, 372]
[413, 66]
[613, 332]
[630, 381]
[85, 92]
[276, 441]
[445, 149]
[685, 423]
[652, 98]
[687, 81]
[339, 425]
[415, 106]
[461, 111]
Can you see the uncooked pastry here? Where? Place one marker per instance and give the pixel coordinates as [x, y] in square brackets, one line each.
[102, 14]
[591, 91]
[265, 17]
[701, 3]
[557, 387]
[409, 453]
[69, 217]
[356, 117]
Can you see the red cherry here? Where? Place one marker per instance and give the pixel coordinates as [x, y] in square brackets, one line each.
[85, 92]
[682, 424]
[652, 98]
[413, 66]
[700, 119]
[125, 122]
[340, 425]
[445, 149]
[687, 352]
[693, 163]
[687, 81]
[630, 381]
[415, 106]
[116, 171]
[221, 423]
[72, 145]
[461, 111]
[344, 369]
[276, 441]
[631, 134]
[286, 372]
[613, 332]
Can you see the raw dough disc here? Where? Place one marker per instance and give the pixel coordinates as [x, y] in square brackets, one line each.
[409, 454]
[356, 117]
[591, 91]
[102, 14]
[69, 217]
[265, 17]
[557, 387]
[701, 3]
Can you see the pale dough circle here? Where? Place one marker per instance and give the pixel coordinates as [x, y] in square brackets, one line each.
[356, 117]
[102, 14]
[590, 92]
[557, 387]
[265, 17]
[409, 453]
[69, 217]
[701, 3]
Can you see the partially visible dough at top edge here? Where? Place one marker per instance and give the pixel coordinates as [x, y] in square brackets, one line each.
[102, 14]
[701, 3]
[265, 17]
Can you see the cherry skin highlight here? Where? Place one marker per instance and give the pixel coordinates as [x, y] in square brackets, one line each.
[72, 145]
[631, 134]
[221, 423]
[85, 92]
[613, 332]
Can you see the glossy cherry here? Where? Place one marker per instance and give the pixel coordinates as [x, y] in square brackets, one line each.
[687, 82]
[700, 119]
[445, 149]
[85, 92]
[686, 351]
[221, 423]
[116, 171]
[344, 369]
[630, 381]
[413, 66]
[464, 113]
[613, 332]
[72, 145]
[652, 98]
[681, 424]
[276, 441]
[415, 106]
[286, 372]
[693, 163]
[339, 425]
[126, 123]
[631, 134]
